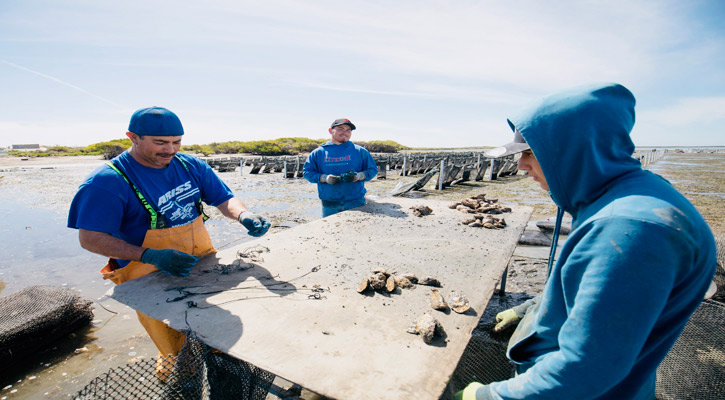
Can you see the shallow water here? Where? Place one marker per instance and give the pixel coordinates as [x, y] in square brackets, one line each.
[39, 249]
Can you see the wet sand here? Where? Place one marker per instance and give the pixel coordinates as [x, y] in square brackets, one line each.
[39, 249]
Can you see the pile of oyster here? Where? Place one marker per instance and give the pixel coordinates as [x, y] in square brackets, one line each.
[382, 280]
[426, 326]
[486, 221]
[420, 211]
[482, 208]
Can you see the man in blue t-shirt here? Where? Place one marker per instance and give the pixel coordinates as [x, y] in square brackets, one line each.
[143, 210]
[340, 169]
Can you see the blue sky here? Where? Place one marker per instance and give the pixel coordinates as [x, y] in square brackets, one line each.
[422, 73]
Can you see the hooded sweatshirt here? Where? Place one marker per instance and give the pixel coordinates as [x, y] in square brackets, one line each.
[337, 159]
[633, 269]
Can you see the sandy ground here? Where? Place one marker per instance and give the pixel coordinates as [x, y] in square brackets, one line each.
[44, 187]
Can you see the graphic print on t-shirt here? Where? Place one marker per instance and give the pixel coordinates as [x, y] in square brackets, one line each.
[178, 203]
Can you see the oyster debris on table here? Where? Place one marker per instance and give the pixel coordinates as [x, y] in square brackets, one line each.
[437, 301]
[458, 302]
[427, 327]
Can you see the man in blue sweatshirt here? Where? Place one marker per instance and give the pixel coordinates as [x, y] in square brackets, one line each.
[634, 268]
[340, 169]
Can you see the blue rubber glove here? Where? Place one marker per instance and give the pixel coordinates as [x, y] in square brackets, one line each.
[256, 225]
[469, 393]
[173, 262]
[330, 179]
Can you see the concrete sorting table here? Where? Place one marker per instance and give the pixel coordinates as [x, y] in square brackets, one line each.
[256, 301]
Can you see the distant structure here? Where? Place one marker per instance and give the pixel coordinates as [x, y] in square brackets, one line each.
[25, 147]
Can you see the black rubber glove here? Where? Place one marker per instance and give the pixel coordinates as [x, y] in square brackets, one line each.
[256, 225]
[173, 262]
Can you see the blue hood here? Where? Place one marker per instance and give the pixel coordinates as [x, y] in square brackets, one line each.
[581, 139]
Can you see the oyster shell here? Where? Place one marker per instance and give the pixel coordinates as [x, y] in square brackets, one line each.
[458, 302]
[437, 301]
[427, 327]
[390, 284]
[430, 281]
[403, 282]
[420, 211]
[363, 286]
[378, 281]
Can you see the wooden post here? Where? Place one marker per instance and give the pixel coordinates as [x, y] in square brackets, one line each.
[441, 174]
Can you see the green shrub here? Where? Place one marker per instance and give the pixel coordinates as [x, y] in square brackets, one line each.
[383, 146]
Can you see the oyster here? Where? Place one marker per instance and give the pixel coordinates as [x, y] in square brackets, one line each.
[437, 301]
[363, 286]
[403, 282]
[420, 211]
[458, 302]
[427, 327]
[378, 281]
[430, 281]
[412, 278]
[390, 284]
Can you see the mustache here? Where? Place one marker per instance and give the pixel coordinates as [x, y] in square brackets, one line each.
[166, 154]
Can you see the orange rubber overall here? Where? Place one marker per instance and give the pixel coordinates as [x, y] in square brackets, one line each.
[191, 238]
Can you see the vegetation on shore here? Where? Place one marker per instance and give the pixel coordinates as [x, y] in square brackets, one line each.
[277, 147]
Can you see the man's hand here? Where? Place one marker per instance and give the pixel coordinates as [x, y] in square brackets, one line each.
[173, 262]
[352, 176]
[256, 225]
[506, 319]
[330, 179]
[469, 393]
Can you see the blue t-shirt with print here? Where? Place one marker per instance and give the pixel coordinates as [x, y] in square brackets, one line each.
[105, 202]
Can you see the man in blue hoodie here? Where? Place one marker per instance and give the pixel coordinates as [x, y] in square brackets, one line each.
[634, 268]
[340, 169]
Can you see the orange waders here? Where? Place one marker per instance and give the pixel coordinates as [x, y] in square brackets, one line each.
[191, 238]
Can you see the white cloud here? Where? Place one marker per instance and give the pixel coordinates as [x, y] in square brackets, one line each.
[688, 112]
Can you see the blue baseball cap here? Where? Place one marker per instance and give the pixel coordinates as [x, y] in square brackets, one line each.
[155, 121]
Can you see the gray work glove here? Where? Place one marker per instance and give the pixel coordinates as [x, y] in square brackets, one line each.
[256, 225]
[173, 262]
[330, 179]
[353, 176]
